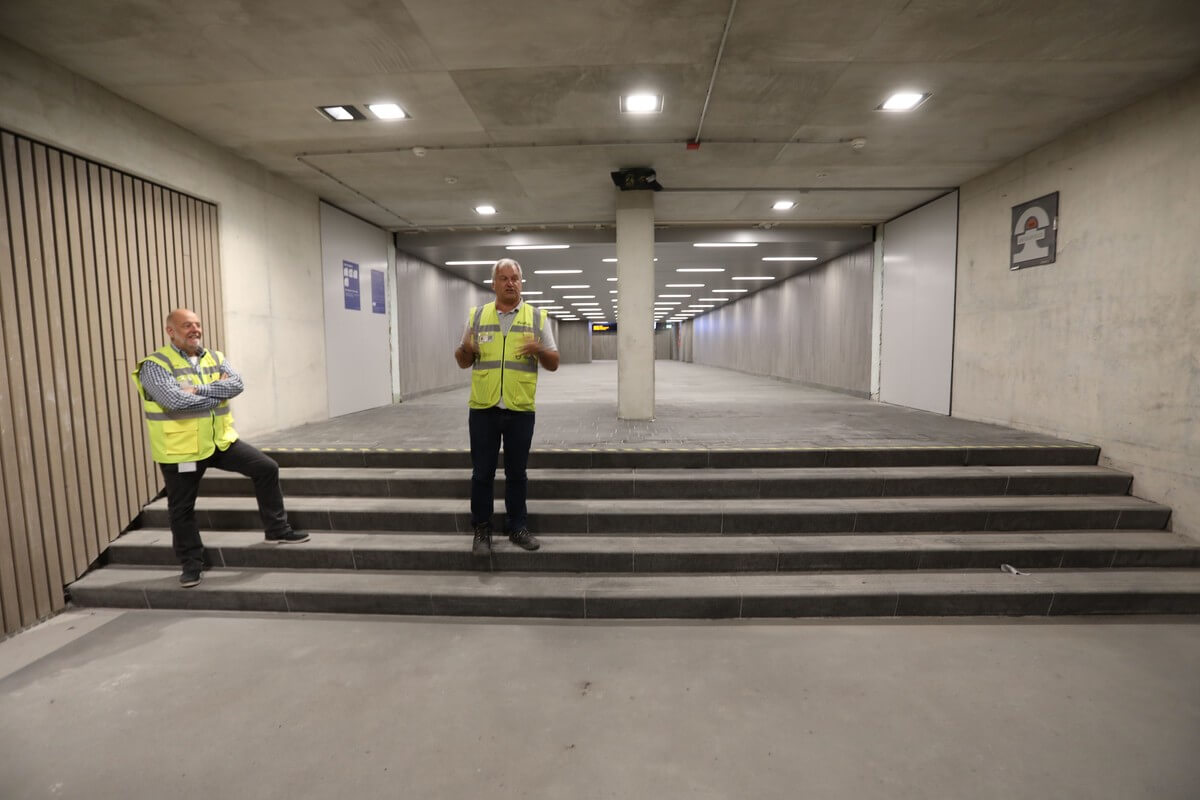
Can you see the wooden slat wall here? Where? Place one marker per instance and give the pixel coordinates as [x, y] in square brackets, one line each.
[91, 262]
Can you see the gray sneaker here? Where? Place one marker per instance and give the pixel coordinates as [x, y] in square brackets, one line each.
[291, 537]
[524, 539]
[481, 547]
[190, 577]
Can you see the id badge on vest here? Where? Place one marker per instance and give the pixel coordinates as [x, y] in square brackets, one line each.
[485, 338]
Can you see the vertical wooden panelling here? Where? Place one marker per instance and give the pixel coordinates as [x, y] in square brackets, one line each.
[91, 262]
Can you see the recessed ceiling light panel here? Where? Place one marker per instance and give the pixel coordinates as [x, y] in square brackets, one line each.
[903, 101]
[485, 210]
[537, 247]
[342, 113]
[790, 258]
[641, 103]
[387, 111]
[784, 205]
[725, 244]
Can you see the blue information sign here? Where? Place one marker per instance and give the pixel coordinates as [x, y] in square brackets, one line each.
[350, 285]
[378, 292]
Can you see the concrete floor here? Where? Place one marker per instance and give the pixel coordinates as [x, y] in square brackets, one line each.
[695, 406]
[142, 704]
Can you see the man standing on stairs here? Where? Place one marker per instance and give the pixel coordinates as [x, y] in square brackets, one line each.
[185, 391]
[505, 342]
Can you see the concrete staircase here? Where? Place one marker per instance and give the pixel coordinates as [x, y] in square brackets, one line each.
[866, 531]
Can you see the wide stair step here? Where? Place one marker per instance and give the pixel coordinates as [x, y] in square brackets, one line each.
[648, 483]
[762, 516]
[1051, 592]
[376, 550]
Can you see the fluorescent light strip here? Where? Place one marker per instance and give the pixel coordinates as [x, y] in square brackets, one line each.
[579, 297]
[485, 210]
[725, 244]
[611, 280]
[710, 299]
[789, 258]
[753, 277]
[700, 269]
[557, 271]
[538, 302]
[685, 285]
[466, 263]
[730, 291]
[537, 247]
[674, 295]
[609, 260]
[571, 286]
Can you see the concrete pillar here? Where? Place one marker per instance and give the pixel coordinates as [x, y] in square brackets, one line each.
[635, 289]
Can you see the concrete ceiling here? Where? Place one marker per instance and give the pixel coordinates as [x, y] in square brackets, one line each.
[516, 104]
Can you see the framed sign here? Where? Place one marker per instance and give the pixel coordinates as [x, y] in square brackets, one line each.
[350, 285]
[1034, 233]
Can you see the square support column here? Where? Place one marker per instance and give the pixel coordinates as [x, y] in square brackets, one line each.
[635, 288]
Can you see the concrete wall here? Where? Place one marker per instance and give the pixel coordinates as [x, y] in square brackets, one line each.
[604, 346]
[270, 248]
[814, 328]
[431, 313]
[574, 342]
[358, 344]
[1102, 346]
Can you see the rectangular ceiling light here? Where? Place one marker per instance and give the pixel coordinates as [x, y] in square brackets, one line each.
[537, 247]
[340, 113]
[674, 295]
[784, 205]
[641, 103]
[387, 111]
[725, 244]
[579, 296]
[557, 271]
[789, 258]
[467, 263]
[700, 269]
[903, 101]
[571, 286]
[536, 302]
[685, 285]
[730, 291]
[485, 210]
[611, 280]
[714, 299]
[609, 260]
[753, 277]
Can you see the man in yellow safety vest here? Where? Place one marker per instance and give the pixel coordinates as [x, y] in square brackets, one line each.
[185, 391]
[504, 344]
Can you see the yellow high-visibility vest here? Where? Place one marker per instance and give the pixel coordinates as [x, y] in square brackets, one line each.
[500, 370]
[190, 435]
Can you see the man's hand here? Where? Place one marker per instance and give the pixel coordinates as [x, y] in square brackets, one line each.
[466, 352]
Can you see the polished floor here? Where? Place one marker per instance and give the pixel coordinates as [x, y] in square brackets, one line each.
[695, 406]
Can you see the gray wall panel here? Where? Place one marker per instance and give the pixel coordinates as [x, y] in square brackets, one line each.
[814, 328]
[431, 313]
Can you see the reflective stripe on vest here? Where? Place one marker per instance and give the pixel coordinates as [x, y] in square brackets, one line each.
[191, 434]
[499, 369]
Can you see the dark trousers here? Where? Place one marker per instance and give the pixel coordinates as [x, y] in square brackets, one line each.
[488, 426]
[183, 486]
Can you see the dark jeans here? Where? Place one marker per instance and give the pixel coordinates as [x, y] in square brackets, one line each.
[183, 486]
[488, 426]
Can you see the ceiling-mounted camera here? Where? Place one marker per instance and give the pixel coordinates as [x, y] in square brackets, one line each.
[634, 178]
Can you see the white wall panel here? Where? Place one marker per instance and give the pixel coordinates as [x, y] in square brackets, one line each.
[919, 254]
[357, 342]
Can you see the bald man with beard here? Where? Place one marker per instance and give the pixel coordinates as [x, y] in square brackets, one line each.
[185, 391]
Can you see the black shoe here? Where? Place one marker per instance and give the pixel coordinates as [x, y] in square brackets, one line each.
[291, 537]
[482, 546]
[524, 539]
[190, 577]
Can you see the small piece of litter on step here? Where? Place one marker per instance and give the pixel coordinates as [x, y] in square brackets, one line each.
[1011, 569]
